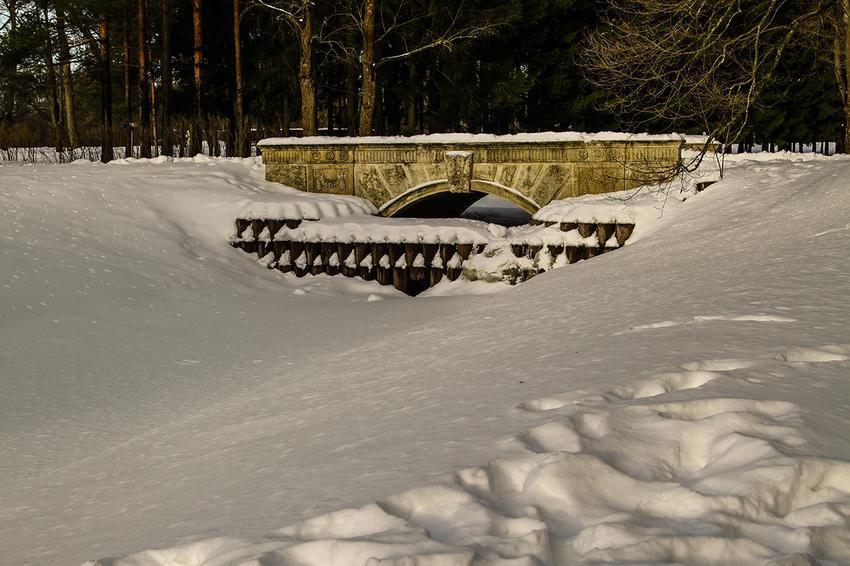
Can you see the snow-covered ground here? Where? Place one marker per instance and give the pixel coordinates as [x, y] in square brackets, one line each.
[166, 400]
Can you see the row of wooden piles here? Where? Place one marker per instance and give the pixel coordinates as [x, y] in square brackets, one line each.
[411, 267]
[603, 230]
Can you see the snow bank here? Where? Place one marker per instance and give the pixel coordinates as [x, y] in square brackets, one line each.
[377, 229]
[482, 138]
[310, 206]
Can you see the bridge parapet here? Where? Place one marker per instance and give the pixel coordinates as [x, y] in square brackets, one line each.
[443, 174]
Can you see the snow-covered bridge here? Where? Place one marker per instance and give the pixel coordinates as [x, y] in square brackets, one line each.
[441, 175]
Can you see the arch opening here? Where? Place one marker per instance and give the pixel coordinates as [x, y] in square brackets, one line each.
[435, 200]
[440, 205]
[496, 210]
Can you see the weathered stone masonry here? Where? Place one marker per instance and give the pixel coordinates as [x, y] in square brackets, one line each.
[420, 177]
[440, 177]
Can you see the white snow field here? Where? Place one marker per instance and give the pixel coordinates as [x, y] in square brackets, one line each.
[165, 400]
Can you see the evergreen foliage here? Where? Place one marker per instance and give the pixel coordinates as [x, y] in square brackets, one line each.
[489, 66]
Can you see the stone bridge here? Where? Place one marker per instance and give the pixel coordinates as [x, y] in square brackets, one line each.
[441, 175]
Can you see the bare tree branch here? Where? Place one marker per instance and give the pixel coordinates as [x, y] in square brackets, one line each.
[696, 63]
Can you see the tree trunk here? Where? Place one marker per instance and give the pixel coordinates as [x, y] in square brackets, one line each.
[9, 102]
[67, 81]
[351, 73]
[167, 81]
[350, 98]
[144, 84]
[240, 138]
[197, 28]
[841, 59]
[105, 92]
[367, 104]
[305, 75]
[410, 126]
[287, 118]
[55, 111]
[128, 84]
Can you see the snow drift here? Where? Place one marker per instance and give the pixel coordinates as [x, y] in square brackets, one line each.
[167, 401]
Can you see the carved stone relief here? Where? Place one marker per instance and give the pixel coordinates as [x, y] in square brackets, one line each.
[485, 171]
[602, 178]
[541, 171]
[368, 184]
[394, 177]
[294, 176]
[333, 179]
[505, 175]
[551, 182]
[459, 171]
[418, 174]
[526, 176]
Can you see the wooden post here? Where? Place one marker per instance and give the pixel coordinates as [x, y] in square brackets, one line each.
[574, 253]
[296, 250]
[624, 231]
[586, 230]
[381, 261]
[465, 250]
[328, 253]
[362, 250]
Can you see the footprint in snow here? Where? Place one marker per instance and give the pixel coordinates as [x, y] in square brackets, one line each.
[833, 353]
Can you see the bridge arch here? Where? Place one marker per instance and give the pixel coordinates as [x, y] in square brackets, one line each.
[435, 200]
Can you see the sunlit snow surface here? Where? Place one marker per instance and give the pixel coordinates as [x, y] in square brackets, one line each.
[166, 400]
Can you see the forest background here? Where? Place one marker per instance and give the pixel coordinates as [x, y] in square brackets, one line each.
[153, 74]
